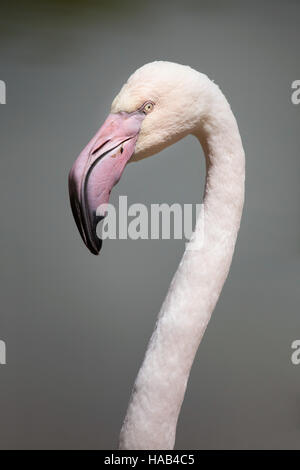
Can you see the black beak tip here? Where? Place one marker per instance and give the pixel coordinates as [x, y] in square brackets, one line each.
[94, 243]
[95, 248]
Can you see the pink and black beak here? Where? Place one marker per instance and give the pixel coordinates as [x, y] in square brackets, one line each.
[98, 168]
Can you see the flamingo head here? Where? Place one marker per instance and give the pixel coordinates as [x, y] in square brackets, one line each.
[159, 104]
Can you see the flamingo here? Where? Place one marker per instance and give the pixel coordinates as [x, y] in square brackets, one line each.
[161, 103]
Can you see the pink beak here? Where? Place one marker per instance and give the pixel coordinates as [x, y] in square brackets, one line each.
[98, 168]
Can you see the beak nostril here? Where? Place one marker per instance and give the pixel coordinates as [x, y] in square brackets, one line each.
[99, 147]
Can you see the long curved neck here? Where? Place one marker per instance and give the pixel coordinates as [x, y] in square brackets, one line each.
[160, 386]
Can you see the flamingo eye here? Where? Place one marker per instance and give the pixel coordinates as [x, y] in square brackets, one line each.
[148, 107]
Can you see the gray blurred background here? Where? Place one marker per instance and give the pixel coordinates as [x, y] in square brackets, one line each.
[76, 326]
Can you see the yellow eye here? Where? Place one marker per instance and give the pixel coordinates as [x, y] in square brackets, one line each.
[147, 108]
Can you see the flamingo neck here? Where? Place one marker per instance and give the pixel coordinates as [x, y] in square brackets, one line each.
[160, 386]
